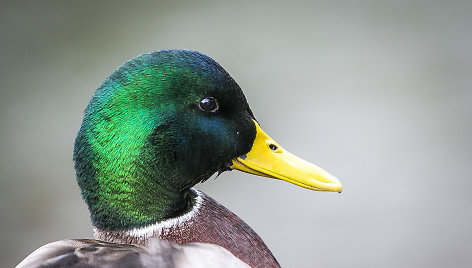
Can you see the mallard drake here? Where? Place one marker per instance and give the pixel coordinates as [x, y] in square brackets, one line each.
[159, 124]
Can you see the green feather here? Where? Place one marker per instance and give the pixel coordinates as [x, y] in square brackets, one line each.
[144, 142]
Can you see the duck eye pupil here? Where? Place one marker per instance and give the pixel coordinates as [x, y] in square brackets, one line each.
[208, 104]
[273, 147]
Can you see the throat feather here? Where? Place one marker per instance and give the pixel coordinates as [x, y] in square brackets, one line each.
[141, 235]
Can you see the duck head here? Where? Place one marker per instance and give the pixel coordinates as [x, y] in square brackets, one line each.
[163, 122]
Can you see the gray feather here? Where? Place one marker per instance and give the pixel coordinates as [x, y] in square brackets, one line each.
[87, 253]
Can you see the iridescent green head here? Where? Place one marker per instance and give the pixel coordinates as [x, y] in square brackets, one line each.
[161, 123]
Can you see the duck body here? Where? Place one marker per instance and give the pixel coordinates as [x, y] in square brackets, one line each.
[208, 222]
[161, 123]
[227, 241]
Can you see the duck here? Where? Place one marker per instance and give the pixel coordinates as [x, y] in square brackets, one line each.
[161, 123]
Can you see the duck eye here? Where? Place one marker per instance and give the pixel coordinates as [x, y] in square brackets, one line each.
[208, 104]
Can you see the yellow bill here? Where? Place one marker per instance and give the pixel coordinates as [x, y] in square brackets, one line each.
[267, 158]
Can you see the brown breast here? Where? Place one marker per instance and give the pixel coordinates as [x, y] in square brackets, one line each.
[215, 224]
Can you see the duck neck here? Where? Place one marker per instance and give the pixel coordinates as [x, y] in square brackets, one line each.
[124, 205]
[132, 206]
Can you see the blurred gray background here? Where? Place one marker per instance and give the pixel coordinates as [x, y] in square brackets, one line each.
[379, 93]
